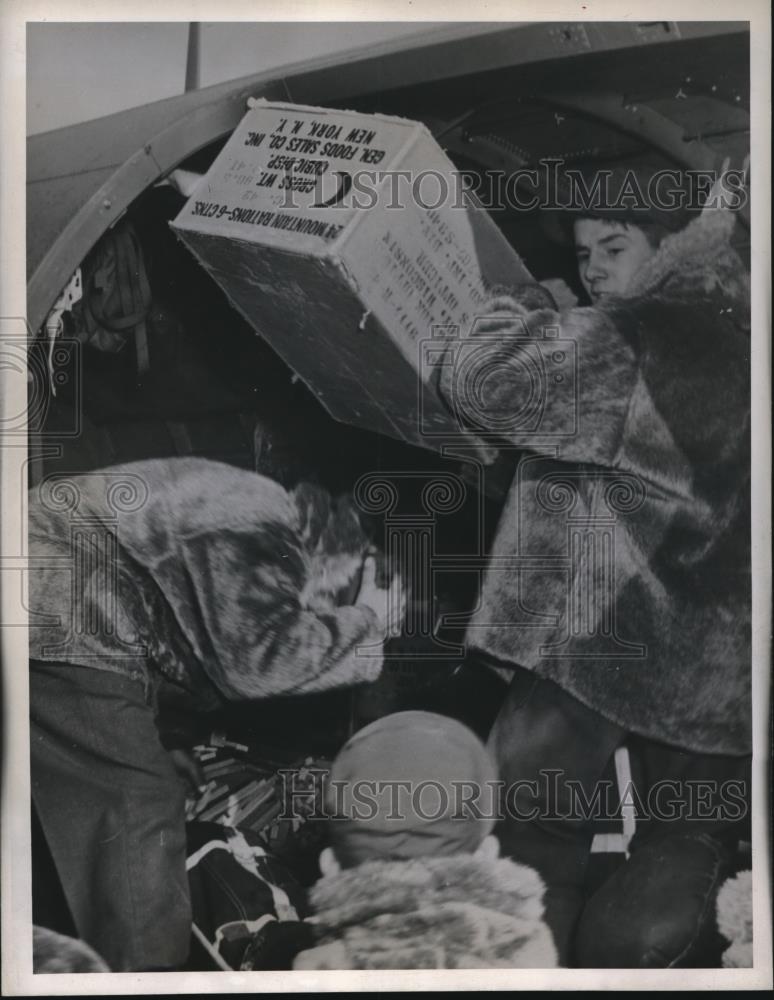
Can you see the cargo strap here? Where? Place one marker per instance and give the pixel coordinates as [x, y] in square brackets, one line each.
[120, 274]
[618, 843]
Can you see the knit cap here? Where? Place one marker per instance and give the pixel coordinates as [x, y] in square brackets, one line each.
[411, 784]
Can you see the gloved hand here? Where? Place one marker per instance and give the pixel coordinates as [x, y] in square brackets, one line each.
[483, 360]
[388, 603]
[188, 768]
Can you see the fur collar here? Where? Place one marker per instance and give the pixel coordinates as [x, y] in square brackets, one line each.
[447, 912]
[699, 259]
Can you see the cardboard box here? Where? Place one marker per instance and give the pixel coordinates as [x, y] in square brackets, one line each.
[344, 240]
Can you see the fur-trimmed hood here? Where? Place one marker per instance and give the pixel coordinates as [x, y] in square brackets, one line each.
[459, 912]
[698, 259]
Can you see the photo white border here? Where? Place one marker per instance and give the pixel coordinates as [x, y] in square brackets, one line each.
[17, 979]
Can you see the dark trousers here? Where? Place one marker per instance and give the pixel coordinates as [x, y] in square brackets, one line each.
[112, 810]
[657, 909]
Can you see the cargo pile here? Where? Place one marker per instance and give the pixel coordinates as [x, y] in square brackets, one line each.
[266, 791]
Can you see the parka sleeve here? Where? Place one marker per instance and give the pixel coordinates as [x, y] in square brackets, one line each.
[554, 383]
[256, 638]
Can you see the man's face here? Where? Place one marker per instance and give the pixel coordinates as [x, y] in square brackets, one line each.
[609, 255]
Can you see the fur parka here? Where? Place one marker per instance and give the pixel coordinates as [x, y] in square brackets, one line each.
[621, 564]
[192, 571]
[455, 912]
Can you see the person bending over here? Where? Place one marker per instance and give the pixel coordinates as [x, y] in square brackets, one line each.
[179, 572]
